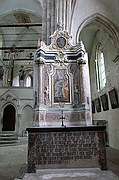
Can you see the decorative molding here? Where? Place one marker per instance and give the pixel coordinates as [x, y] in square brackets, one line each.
[60, 40]
[61, 58]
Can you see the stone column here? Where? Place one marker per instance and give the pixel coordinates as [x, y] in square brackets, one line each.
[65, 14]
[1, 83]
[88, 93]
[21, 83]
[44, 21]
[53, 13]
[48, 21]
[62, 10]
[68, 12]
[17, 125]
[59, 12]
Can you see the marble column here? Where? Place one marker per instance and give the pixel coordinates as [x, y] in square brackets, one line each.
[40, 83]
[81, 64]
[83, 97]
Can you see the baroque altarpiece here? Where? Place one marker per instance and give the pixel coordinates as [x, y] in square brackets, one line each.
[61, 83]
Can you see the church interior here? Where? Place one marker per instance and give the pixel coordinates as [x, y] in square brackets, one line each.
[25, 27]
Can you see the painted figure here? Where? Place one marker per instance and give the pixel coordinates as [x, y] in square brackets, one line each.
[61, 86]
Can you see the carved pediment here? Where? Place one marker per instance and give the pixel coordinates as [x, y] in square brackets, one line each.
[60, 40]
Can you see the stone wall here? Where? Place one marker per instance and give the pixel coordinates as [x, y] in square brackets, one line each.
[70, 147]
[111, 69]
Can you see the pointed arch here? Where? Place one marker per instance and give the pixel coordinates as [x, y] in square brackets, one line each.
[103, 23]
[9, 115]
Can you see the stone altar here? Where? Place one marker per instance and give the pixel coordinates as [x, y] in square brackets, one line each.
[70, 147]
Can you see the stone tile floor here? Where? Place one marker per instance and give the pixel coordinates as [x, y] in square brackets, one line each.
[13, 166]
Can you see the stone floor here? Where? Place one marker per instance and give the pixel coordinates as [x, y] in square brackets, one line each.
[13, 166]
[69, 174]
[13, 160]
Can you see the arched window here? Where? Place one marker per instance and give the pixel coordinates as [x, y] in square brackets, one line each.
[28, 81]
[100, 68]
[28, 78]
[16, 81]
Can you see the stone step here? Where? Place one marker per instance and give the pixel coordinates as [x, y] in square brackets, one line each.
[71, 174]
[8, 132]
[31, 176]
[9, 142]
[8, 137]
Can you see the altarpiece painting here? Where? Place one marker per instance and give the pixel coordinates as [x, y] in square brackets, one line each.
[61, 86]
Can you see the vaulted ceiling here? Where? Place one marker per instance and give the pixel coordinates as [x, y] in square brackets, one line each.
[20, 25]
[15, 15]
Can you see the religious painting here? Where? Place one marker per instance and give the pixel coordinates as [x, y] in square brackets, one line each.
[61, 86]
[93, 107]
[104, 100]
[98, 105]
[113, 99]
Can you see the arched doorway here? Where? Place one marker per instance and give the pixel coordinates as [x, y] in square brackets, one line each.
[9, 118]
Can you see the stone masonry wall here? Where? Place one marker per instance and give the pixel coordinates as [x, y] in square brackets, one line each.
[66, 148]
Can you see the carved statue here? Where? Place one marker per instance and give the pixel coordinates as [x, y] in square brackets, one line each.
[21, 73]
